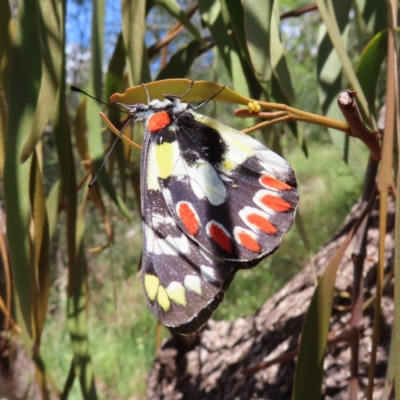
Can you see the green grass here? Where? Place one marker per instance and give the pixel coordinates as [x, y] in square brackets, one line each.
[122, 329]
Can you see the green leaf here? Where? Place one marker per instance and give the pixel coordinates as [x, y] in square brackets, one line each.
[180, 63]
[25, 83]
[52, 206]
[51, 72]
[236, 15]
[40, 268]
[7, 35]
[93, 108]
[133, 31]
[280, 97]
[278, 59]
[372, 15]
[336, 21]
[310, 360]
[77, 313]
[329, 80]
[369, 65]
[212, 16]
[257, 21]
[173, 8]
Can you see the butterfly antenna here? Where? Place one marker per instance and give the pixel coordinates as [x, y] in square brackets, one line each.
[147, 93]
[92, 182]
[76, 89]
[204, 102]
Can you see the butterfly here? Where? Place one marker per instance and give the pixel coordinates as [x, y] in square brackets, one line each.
[214, 200]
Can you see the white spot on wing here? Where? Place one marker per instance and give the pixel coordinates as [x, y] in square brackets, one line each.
[158, 220]
[193, 283]
[207, 273]
[152, 179]
[170, 246]
[205, 183]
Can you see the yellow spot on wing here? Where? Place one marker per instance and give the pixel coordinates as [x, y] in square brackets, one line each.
[151, 283]
[165, 158]
[163, 299]
[176, 292]
[229, 165]
[242, 147]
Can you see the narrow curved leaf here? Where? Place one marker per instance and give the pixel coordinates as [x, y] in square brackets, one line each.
[200, 90]
[133, 31]
[310, 360]
[236, 15]
[278, 59]
[93, 109]
[329, 86]
[78, 305]
[40, 268]
[369, 65]
[52, 206]
[173, 8]
[211, 13]
[51, 72]
[25, 81]
[7, 35]
[372, 15]
[257, 20]
[180, 63]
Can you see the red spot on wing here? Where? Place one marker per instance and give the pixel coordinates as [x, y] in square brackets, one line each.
[158, 121]
[262, 223]
[275, 203]
[249, 242]
[220, 237]
[189, 217]
[273, 183]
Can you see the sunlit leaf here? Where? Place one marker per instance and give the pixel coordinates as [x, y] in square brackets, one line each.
[51, 72]
[329, 79]
[133, 31]
[52, 206]
[78, 312]
[173, 8]
[257, 21]
[40, 268]
[7, 35]
[25, 83]
[180, 62]
[211, 13]
[200, 90]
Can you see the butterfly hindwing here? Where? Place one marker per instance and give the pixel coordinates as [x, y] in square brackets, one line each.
[182, 282]
[225, 190]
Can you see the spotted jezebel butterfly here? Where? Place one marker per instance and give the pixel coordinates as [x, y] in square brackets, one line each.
[214, 200]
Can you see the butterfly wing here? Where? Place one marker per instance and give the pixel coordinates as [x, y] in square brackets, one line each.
[225, 190]
[183, 283]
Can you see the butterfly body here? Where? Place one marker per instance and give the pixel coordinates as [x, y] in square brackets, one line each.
[213, 201]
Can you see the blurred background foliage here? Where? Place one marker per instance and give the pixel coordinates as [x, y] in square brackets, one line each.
[73, 254]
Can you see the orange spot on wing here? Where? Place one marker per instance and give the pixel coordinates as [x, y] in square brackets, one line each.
[249, 242]
[275, 203]
[273, 183]
[262, 223]
[158, 121]
[189, 218]
[220, 237]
